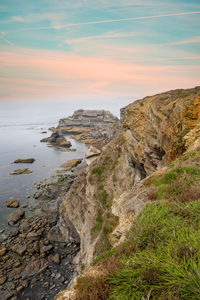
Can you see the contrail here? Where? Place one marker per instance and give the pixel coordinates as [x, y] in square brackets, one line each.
[111, 21]
[132, 19]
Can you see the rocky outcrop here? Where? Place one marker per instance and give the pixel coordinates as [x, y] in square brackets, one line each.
[15, 216]
[35, 255]
[57, 140]
[91, 154]
[90, 126]
[12, 203]
[21, 171]
[24, 161]
[109, 194]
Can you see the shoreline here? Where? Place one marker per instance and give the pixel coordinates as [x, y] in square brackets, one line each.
[38, 252]
[32, 255]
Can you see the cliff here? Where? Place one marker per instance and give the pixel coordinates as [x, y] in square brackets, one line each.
[90, 126]
[108, 196]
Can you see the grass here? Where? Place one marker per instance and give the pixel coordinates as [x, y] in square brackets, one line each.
[176, 181]
[160, 258]
[166, 263]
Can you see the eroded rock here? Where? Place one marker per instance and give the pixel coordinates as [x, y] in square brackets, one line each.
[12, 203]
[15, 216]
[21, 171]
[24, 161]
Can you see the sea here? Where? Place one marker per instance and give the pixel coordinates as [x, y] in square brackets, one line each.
[22, 126]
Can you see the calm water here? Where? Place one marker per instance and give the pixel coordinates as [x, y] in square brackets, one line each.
[21, 129]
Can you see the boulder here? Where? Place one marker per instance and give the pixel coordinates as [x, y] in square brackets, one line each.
[15, 216]
[71, 163]
[24, 161]
[19, 249]
[12, 203]
[21, 171]
[3, 279]
[3, 251]
[56, 258]
[57, 140]
[91, 154]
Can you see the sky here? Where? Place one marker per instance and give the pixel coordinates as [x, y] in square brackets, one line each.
[103, 49]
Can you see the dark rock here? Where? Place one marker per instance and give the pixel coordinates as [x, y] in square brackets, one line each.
[19, 249]
[14, 232]
[3, 279]
[45, 249]
[8, 296]
[35, 235]
[24, 161]
[15, 216]
[3, 251]
[57, 140]
[56, 258]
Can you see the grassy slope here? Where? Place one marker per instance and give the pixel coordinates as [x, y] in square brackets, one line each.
[160, 258]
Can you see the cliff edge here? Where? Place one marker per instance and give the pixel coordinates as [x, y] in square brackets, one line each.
[107, 197]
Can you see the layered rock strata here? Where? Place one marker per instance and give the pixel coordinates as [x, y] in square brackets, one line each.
[95, 127]
[109, 194]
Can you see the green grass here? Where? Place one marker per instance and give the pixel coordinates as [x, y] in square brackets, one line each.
[175, 174]
[98, 170]
[166, 262]
[176, 181]
[188, 155]
[160, 258]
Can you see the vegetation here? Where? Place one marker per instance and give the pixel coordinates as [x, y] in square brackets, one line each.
[160, 258]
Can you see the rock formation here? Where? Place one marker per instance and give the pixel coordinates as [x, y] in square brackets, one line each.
[90, 126]
[21, 171]
[57, 140]
[109, 194]
[24, 161]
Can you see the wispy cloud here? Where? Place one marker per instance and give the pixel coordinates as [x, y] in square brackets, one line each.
[51, 74]
[191, 40]
[3, 37]
[17, 19]
[108, 35]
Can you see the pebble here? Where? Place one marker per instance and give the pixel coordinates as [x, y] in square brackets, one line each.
[3, 280]
[58, 276]
[3, 251]
[52, 287]
[56, 258]
[19, 289]
[45, 284]
[8, 296]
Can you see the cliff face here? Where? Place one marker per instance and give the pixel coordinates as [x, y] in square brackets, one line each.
[90, 126]
[105, 199]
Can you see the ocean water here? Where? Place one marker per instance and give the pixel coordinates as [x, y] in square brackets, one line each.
[21, 126]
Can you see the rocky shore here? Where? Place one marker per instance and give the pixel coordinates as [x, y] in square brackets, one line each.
[92, 127]
[35, 256]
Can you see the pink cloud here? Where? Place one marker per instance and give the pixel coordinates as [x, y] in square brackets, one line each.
[41, 74]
